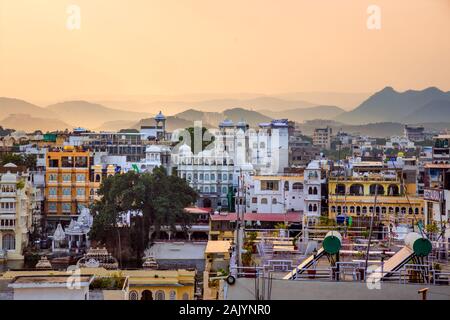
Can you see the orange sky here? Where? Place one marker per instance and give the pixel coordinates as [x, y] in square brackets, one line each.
[138, 47]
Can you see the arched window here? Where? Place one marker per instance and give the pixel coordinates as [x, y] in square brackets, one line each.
[410, 211]
[364, 210]
[263, 200]
[160, 295]
[274, 201]
[333, 209]
[383, 210]
[352, 209]
[310, 208]
[286, 186]
[9, 242]
[339, 210]
[393, 190]
[358, 210]
[403, 210]
[185, 296]
[133, 295]
[147, 295]
[297, 186]
[378, 188]
[315, 207]
[356, 189]
[416, 210]
[173, 295]
[97, 178]
[315, 190]
[310, 190]
[340, 189]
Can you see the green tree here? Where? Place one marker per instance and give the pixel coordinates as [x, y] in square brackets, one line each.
[161, 199]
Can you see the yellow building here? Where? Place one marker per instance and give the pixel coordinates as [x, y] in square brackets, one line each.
[68, 183]
[355, 195]
[217, 262]
[160, 285]
[138, 284]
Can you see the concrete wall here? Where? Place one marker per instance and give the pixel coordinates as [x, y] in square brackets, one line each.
[51, 294]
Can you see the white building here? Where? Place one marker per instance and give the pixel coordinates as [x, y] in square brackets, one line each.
[17, 202]
[314, 181]
[274, 194]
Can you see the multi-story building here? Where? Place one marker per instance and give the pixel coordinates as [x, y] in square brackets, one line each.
[274, 194]
[129, 144]
[414, 133]
[322, 137]
[437, 186]
[315, 191]
[68, 184]
[17, 202]
[369, 185]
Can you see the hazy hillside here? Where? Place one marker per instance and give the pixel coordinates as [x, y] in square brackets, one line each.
[434, 111]
[300, 115]
[91, 115]
[347, 101]
[28, 123]
[390, 105]
[10, 106]
[115, 125]
[253, 118]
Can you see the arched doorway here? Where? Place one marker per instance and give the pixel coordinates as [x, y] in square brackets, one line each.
[207, 203]
[147, 295]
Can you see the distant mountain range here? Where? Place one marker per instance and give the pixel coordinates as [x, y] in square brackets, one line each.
[301, 115]
[430, 105]
[405, 107]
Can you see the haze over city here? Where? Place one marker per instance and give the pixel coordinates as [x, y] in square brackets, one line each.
[193, 50]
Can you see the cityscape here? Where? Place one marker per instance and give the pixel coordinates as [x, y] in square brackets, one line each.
[310, 194]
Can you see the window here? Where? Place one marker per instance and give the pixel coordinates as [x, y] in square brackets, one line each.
[133, 295]
[80, 192]
[66, 207]
[66, 192]
[297, 186]
[274, 201]
[52, 191]
[201, 176]
[263, 200]
[269, 185]
[52, 177]
[213, 189]
[213, 176]
[254, 200]
[315, 207]
[160, 295]
[52, 207]
[286, 186]
[185, 296]
[9, 242]
[81, 178]
[224, 177]
[66, 177]
[173, 295]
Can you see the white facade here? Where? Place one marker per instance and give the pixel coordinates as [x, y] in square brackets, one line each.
[274, 194]
[314, 178]
[17, 202]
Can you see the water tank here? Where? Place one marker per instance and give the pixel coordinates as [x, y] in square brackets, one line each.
[420, 245]
[332, 242]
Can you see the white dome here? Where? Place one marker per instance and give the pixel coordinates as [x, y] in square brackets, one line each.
[9, 178]
[153, 148]
[184, 149]
[10, 165]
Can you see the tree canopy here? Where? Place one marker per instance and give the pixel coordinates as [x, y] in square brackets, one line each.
[27, 160]
[160, 198]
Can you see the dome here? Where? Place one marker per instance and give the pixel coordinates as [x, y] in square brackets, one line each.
[153, 148]
[9, 178]
[184, 149]
[10, 165]
[160, 117]
[59, 234]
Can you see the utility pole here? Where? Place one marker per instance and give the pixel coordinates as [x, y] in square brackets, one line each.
[371, 227]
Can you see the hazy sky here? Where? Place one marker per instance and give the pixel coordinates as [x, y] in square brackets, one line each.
[138, 47]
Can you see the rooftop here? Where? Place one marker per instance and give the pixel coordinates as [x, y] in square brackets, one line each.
[218, 246]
